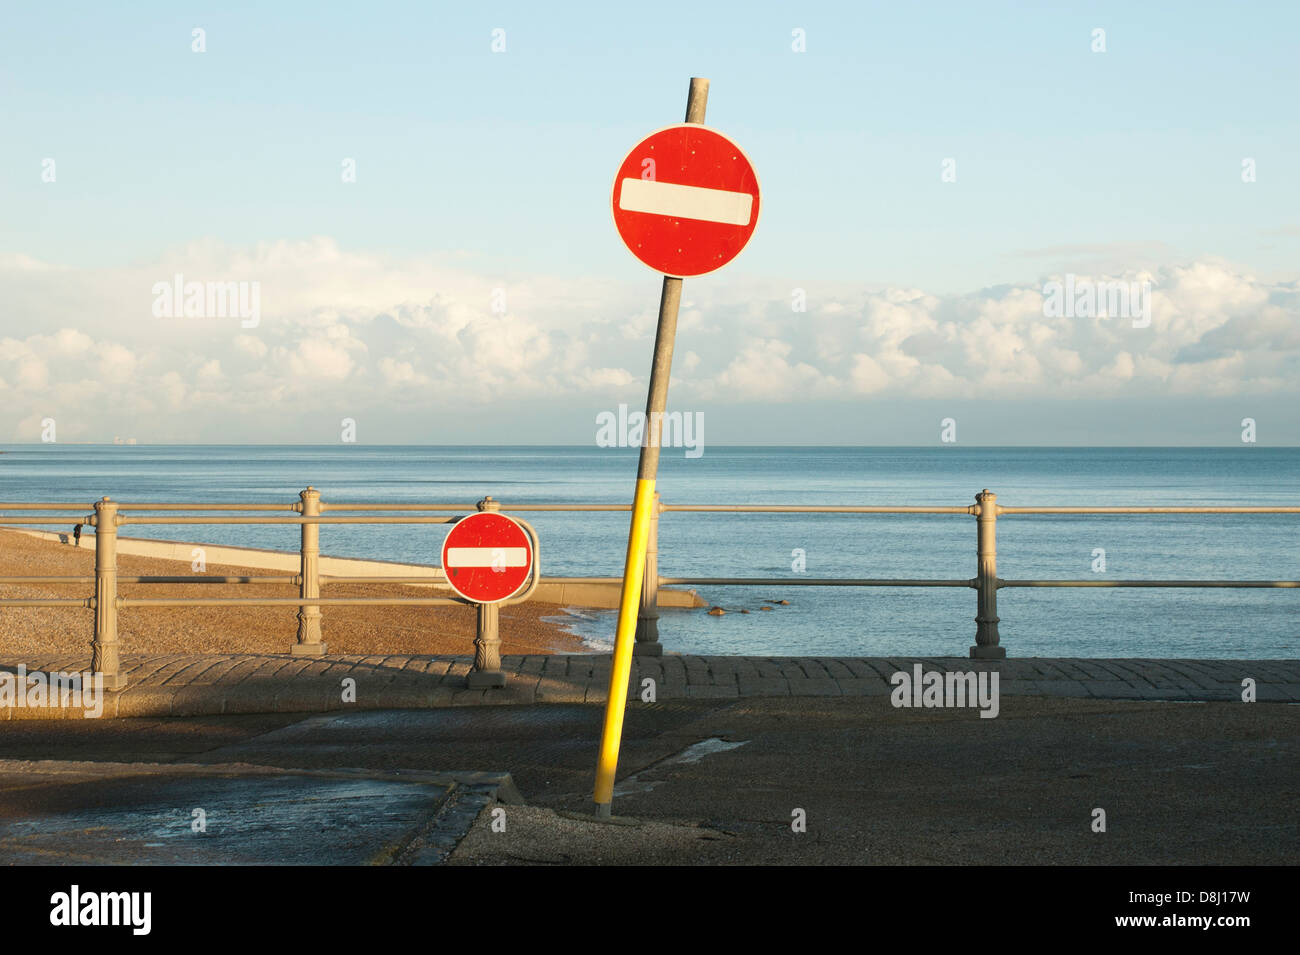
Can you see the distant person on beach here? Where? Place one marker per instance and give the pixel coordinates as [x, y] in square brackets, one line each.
[76, 535]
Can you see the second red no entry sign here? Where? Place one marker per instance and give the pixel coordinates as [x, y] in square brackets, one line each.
[487, 557]
[686, 200]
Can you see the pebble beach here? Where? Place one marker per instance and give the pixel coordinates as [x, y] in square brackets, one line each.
[31, 631]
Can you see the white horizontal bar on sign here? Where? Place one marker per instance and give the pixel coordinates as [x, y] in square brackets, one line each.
[686, 202]
[487, 556]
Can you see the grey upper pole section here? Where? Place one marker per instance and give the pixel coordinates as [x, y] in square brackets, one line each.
[669, 300]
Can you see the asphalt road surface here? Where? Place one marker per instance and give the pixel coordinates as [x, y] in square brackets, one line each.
[785, 781]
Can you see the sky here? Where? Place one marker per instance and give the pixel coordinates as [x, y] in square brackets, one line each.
[927, 172]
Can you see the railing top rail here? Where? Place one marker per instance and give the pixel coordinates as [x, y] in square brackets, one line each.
[46, 507]
[776, 582]
[126, 507]
[128, 519]
[287, 506]
[820, 508]
[150, 507]
[331, 506]
[1227, 509]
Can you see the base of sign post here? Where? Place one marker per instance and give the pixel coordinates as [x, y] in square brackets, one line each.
[115, 681]
[485, 680]
[648, 648]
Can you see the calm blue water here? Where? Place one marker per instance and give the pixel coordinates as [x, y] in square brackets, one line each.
[1039, 622]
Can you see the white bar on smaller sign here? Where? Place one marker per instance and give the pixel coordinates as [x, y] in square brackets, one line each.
[686, 202]
[487, 556]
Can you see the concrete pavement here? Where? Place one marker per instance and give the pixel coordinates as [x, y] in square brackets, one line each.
[708, 781]
[97, 813]
[733, 760]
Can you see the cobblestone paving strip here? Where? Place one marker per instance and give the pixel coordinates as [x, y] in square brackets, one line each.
[175, 685]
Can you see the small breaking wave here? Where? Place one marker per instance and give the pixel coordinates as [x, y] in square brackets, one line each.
[595, 628]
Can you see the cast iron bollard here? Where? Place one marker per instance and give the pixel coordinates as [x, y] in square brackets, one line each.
[309, 636]
[104, 648]
[986, 580]
[647, 621]
[487, 641]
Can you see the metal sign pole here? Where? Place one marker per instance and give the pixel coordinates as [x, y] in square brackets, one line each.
[642, 505]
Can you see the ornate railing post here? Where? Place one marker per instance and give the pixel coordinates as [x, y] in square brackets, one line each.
[986, 579]
[647, 621]
[309, 635]
[487, 640]
[104, 647]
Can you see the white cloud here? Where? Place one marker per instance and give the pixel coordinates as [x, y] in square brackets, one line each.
[316, 360]
[867, 375]
[400, 372]
[115, 363]
[763, 371]
[394, 334]
[209, 373]
[250, 345]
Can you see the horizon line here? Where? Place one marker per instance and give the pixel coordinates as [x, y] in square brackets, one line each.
[918, 447]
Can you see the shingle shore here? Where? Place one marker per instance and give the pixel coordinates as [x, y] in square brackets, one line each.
[27, 633]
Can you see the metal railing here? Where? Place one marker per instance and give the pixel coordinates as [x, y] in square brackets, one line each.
[109, 515]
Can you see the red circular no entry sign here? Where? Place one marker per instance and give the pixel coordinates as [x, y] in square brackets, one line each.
[685, 200]
[487, 557]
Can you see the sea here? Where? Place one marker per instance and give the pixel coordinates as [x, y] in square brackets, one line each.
[816, 621]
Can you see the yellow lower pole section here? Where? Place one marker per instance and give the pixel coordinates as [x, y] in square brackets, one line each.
[621, 671]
